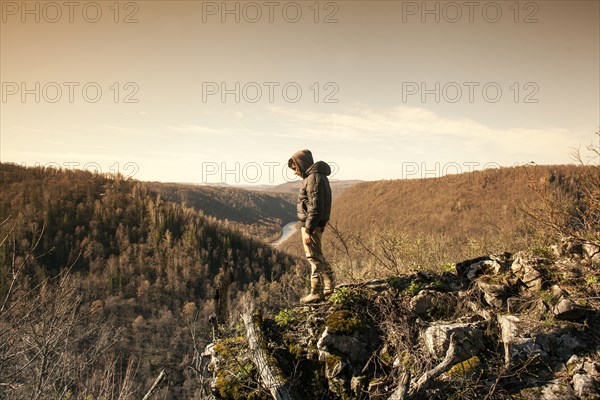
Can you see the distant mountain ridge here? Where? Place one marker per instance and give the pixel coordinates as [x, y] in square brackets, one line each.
[337, 186]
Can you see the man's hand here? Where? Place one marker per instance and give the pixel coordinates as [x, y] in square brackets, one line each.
[307, 238]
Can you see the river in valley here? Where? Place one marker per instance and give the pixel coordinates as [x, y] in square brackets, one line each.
[287, 231]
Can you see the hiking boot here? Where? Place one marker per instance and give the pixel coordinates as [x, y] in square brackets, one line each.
[314, 292]
[311, 298]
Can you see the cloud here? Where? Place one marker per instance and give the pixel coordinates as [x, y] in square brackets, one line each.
[398, 121]
[422, 131]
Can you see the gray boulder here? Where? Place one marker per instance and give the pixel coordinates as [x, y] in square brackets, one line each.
[568, 310]
[356, 348]
[516, 347]
[427, 302]
[468, 336]
[553, 390]
[493, 293]
[586, 387]
[524, 269]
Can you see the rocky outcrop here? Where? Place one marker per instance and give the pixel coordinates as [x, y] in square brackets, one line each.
[516, 326]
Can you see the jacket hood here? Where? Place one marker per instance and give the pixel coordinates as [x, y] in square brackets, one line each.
[303, 159]
[320, 167]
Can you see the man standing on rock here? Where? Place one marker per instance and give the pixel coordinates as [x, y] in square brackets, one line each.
[314, 208]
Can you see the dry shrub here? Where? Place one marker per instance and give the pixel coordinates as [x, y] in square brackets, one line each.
[570, 206]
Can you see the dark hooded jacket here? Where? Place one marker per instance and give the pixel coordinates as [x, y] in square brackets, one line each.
[314, 198]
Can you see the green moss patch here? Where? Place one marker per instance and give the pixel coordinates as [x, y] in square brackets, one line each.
[286, 318]
[344, 322]
[236, 377]
[465, 368]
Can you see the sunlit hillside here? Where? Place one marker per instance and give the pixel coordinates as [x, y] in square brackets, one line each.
[453, 217]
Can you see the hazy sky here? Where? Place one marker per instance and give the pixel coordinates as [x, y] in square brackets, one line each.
[193, 91]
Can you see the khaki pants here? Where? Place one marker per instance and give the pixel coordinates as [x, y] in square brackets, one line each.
[314, 254]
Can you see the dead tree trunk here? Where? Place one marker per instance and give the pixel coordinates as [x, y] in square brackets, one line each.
[270, 375]
[157, 382]
[417, 389]
[402, 389]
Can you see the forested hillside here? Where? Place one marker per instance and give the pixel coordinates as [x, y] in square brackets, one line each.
[469, 204]
[98, 273]
[261, 214]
